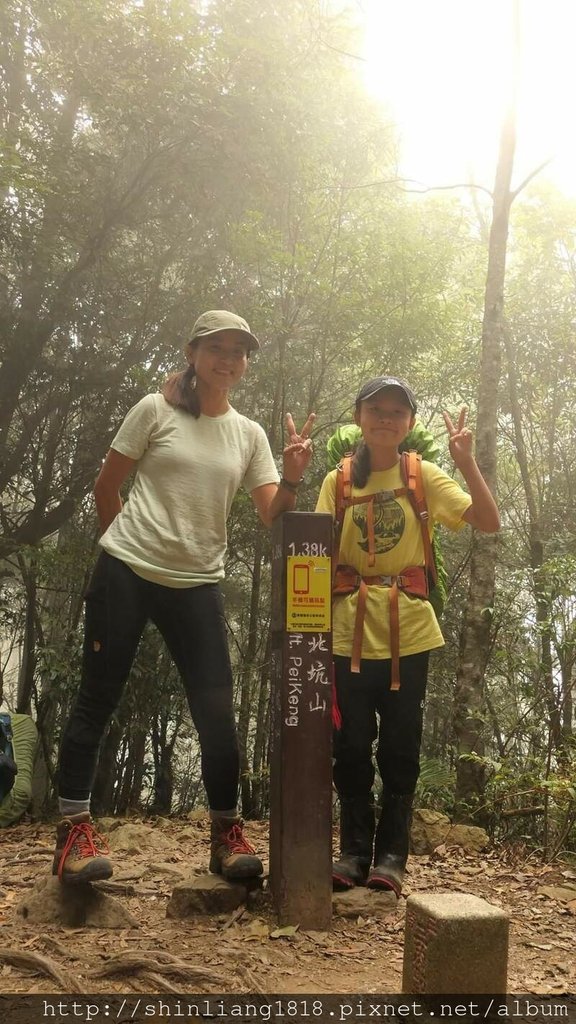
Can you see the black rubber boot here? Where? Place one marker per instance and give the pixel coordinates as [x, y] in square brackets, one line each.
[392, 843]
[356, 841]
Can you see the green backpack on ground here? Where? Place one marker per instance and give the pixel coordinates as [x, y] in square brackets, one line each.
[8, 769]
[345, 440]
[20, 733]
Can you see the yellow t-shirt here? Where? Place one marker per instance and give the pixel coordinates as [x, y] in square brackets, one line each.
[398, 543]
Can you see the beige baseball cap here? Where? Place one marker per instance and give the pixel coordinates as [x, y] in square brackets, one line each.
[221, 320]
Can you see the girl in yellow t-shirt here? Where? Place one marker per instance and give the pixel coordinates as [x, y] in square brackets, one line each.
[383, 545]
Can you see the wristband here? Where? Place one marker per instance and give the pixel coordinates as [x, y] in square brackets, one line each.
[289, 486]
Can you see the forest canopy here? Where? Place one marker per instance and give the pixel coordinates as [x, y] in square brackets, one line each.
[162, 158]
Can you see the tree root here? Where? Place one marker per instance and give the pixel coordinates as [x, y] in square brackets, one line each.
[52, 942]
[161, 966]
[248, 977]
[42, 964]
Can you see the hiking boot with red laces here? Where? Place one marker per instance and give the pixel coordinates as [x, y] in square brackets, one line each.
[230, 853]
[78, 857]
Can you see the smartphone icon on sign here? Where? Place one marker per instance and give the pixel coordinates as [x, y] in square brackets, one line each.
[301, 579]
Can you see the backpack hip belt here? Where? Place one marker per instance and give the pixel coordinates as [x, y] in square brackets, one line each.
[412, 580]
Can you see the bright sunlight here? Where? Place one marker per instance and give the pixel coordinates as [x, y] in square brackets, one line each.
[443, 68]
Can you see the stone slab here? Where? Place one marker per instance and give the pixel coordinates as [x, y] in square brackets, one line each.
[205, 894]
[365, 903]
[454, 943]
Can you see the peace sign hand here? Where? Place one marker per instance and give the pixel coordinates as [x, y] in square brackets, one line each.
[461, 439]
[298, 452]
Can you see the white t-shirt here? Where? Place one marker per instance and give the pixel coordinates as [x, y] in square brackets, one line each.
[172, 528]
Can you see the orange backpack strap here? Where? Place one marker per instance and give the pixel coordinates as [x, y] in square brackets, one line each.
[343, 493]
[411, 469]
[413, 580]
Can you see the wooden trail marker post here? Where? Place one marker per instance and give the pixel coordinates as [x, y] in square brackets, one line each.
[301, 748]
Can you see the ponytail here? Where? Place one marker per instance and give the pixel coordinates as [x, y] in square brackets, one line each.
[361, 465]
[180, 391]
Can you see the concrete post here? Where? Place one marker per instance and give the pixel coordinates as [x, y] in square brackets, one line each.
[454, 943]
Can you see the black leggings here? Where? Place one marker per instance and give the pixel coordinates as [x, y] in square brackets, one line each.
[361, 697]
[191, 621]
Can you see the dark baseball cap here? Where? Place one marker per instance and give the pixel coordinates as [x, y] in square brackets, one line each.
[372, 387]
[221, 320]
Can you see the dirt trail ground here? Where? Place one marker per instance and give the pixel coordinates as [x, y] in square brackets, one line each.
[237, 952]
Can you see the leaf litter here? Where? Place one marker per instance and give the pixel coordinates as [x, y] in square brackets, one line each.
[248, 952]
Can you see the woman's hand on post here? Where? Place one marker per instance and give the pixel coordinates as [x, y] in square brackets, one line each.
[298, 452]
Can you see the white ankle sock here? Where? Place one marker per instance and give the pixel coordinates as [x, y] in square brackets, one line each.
[214, 815]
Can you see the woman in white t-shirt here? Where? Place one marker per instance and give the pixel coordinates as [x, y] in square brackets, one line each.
[162, 560]
[384, 627]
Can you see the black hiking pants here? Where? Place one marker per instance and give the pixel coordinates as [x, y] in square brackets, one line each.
[191, 620]
[371, 709]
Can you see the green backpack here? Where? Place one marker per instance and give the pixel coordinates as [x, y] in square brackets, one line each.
[18, 742]
[345, 440]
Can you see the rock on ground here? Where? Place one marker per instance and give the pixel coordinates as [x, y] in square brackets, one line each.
[366, 903]
[133, 838]
[205, 894]
[431, 829]
[80, 906]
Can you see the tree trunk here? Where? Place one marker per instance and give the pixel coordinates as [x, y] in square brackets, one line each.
[247, 676]
[137, 754]
[60, 612]
[476, 632]
[259, 775]
[28, 663]
[163, 751]
[107, 773]
[126, 776]
[567, 659]
[542, 592]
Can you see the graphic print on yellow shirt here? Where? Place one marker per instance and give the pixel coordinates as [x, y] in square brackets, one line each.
[398, 545]
[389, 524]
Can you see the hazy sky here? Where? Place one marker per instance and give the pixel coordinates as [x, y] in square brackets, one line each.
[443, 68]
